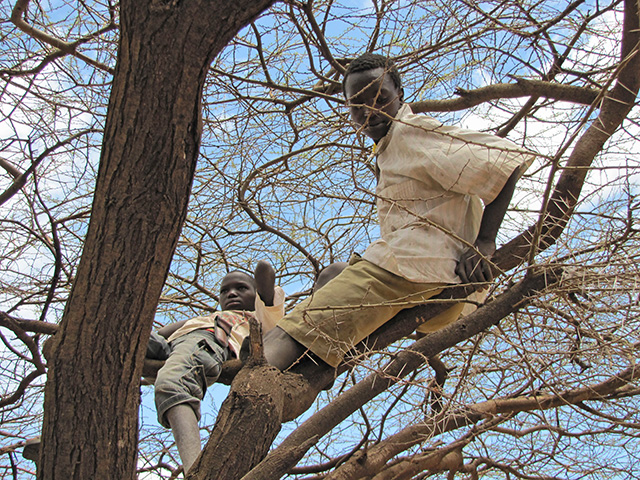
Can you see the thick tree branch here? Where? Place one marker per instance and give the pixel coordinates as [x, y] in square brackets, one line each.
[34, 326]
[147, 164]
[522, 88]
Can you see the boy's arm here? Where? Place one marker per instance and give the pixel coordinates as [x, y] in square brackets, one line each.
[473, 266]
[265, 277]
[168, 330]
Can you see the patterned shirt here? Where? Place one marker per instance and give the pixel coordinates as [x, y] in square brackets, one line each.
[267, 316]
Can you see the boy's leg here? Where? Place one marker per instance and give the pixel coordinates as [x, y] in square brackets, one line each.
[280, 349]
[186, 433]
[348, 309]
[181, 385]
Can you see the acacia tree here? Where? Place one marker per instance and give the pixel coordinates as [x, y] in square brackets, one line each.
[540, 374]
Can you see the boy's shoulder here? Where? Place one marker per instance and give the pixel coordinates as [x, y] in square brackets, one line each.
[411, 125]
[408, 117]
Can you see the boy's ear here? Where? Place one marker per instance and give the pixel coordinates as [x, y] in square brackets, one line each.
[401, 96]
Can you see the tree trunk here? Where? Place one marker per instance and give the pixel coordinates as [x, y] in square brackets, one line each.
[147, 165]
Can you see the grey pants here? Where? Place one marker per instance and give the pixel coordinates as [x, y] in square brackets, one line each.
[193, 358]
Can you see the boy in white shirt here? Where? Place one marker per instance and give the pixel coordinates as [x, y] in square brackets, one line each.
[433, 181]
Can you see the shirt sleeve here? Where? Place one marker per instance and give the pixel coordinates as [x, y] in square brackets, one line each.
[269, 316]
[476, 163]
[460, 161]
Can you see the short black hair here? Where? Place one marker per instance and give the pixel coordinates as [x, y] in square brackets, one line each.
[248, 276]
[371, 61]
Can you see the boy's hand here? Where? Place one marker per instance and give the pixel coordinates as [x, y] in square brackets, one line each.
[473, 266]
[265, 277]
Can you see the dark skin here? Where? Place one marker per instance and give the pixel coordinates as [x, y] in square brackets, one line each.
[329, 273]
[238, 292]
[374, 100]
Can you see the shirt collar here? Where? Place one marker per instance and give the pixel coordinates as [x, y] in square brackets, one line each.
[380, 147]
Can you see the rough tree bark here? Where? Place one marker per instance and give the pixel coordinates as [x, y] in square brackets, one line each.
[147, 163]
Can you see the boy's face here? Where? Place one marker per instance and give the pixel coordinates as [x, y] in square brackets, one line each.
[374, 100]
[237, 292]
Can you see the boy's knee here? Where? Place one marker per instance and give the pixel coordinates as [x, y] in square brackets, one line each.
[165, 385]
[164, 409]
[169, 392]
[280, 349]
[158, 348]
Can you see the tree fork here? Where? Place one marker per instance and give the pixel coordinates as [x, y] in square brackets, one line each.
[248, 421]
[400, 366]
[251, 416]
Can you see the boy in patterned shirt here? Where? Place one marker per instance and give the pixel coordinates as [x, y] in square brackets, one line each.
[195, 349]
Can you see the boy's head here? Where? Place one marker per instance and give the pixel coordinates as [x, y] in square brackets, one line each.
[237, 291]
[373, 89]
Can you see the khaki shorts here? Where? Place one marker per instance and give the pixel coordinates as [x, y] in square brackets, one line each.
[354, 304]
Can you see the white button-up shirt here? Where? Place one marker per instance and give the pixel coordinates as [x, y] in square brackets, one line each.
[433, 181]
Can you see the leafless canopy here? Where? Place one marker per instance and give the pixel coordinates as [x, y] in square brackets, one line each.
[549, 391]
